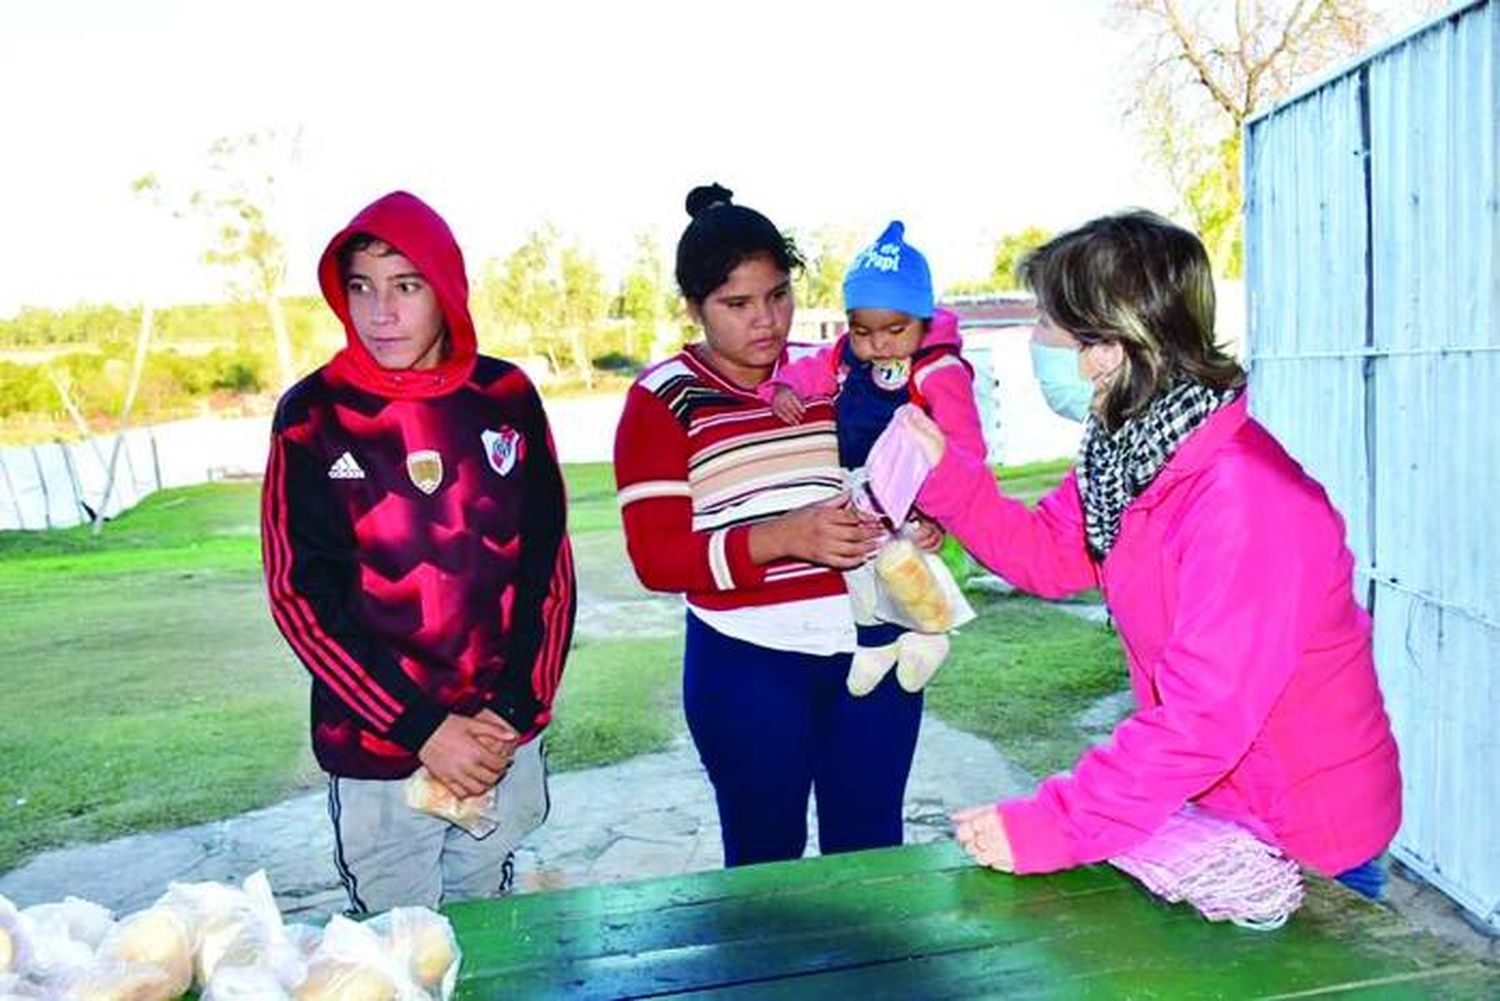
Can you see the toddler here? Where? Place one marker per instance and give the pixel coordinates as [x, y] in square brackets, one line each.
[899, 349]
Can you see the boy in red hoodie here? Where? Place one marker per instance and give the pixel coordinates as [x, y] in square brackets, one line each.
[899, 350]
[415, 551]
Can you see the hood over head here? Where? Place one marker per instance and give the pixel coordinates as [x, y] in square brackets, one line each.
[412, 227]
[942, 329]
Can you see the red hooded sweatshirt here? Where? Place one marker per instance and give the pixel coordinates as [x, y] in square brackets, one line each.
[413, 529]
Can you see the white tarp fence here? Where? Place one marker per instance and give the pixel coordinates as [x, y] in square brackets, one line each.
[60, 484]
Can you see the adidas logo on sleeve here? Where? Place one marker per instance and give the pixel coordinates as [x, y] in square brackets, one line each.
[345, 468]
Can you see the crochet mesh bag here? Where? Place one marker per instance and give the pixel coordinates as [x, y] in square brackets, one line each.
[1218, 867]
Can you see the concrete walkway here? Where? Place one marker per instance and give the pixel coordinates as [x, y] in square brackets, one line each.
[651, 815]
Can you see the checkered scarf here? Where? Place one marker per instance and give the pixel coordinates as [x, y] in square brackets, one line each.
[1114, 469]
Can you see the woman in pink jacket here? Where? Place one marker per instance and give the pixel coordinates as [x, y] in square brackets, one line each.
[1223, 565]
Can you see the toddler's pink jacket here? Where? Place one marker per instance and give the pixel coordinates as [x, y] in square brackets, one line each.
[941, 382]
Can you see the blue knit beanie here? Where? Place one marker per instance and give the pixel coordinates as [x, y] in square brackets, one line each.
[890, 274]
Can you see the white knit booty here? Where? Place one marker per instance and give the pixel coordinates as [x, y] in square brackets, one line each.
[918, 656]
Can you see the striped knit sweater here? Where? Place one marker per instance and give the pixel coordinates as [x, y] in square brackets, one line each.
[698, 461]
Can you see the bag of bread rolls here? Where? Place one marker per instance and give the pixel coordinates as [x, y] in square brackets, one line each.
[109, 979]
[245, 983]
[354, 963]
[424, 941]
[64, 936]
[235, 925]
[157, 936]
[916, 589]
[15, 939]
[13, 988]
[475, 814]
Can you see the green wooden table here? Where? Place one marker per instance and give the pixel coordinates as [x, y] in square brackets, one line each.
[922, 922]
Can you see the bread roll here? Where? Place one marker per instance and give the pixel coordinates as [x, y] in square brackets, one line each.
[427, 944]
[425, 793]
[910, 582]
[157, 936]
[232, 935]
[334, 980]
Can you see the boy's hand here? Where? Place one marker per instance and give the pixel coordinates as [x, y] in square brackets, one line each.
[461, 753]
[981, 832]
[504, 746]
[787, 405]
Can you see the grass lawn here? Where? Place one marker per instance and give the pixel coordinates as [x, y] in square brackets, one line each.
[1020, 673]
[144, 685]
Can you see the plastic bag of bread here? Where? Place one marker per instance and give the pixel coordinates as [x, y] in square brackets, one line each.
[244, 983]
[64, 936]
[475, 814]
[158, 936]
[235, 925]
[114, 980]
[15, 939]
[13, 988]
[354, 963]
[916, 589]
[423, 940]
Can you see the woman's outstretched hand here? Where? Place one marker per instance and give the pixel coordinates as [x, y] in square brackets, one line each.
[981, 833]
[832, 534]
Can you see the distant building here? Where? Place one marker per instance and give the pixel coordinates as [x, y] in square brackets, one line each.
[818, 325]
[1019, 427]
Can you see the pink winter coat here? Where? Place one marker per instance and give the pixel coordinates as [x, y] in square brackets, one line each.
[942, 383]
[1256, 696]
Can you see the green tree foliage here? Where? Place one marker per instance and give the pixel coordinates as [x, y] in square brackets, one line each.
[1207, 67]
[241, 206]
[1009, 250]
[584, 305]
[820, 284]
[648, 306]
[548, 298]
[523, 295]
[205, 354]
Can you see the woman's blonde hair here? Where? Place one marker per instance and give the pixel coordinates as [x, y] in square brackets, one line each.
[1145, 283]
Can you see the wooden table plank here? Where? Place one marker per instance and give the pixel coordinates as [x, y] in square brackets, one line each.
[922, 922]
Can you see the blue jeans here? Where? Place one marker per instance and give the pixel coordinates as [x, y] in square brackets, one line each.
[1367, 879]
[771, 727]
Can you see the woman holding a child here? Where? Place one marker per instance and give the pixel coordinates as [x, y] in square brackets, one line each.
[746, 516]
[1223, 565]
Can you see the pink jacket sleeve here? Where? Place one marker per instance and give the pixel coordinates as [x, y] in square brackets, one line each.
[1236, 638]
[947, 385]
[808, 376]
[1041, 551]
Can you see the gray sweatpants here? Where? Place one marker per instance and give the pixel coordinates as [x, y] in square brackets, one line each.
[389, 855]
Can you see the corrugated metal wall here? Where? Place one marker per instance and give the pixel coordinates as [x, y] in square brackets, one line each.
[1372, 232]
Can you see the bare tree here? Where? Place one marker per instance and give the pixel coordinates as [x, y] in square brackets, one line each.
[241, 204]
[1206, 67]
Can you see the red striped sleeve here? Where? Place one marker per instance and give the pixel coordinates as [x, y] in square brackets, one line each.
[651, 473]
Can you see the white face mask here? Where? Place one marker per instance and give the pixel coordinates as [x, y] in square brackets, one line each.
[1069, 394]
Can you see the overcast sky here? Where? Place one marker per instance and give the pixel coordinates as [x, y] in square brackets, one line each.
[965, 119]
